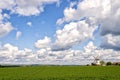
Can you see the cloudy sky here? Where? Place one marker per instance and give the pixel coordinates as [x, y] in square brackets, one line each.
[59, 31]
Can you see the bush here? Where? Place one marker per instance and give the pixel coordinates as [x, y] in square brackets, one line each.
[93, 64]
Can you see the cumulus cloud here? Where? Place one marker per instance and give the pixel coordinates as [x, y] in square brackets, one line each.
[103, 12]
[110, 24]
[10, 53]
[6, 16]
[5, 4]
[72, 34]
[21, 7]
[91, 51]
[111, 42]
[7, 51]
[31, 7]
[59, 57]
[43, 43]
[1, 16]
[29, 24]
[82, 22]
[86, 8]
[26, 7]
[5, 28]
[18, 34]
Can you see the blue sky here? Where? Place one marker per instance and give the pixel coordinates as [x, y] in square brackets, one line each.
[43, 24]
[67, 28]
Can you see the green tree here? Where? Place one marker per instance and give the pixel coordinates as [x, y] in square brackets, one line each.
[108, 63]
[102, 63]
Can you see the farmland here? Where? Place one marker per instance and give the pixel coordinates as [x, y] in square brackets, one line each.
[60, 73]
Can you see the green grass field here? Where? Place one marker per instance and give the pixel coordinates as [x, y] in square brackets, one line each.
[61, 73]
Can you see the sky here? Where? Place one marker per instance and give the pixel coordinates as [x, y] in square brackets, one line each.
[59, 31]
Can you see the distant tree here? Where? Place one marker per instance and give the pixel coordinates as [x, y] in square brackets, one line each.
[1, 66]
[108, 63]
[102, 63]
[117, 64]
[87, 65]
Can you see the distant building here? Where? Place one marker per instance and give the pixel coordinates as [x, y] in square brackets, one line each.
[96, 61]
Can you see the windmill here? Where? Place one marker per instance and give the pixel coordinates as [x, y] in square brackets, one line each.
[96, 60]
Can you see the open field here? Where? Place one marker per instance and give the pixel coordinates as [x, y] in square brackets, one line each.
[61, 73]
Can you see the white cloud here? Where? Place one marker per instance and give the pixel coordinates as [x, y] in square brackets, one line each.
[26, 7]
[76, 31]
[59, 57]
[18, 34]
[72, 34]
[89, 48]
[29, 24]
[91, 51]
[12, 54]
[5, 4]
[111, 41]
[24, 56]
[7, 52]
[105, 12]
[31, 7]
[6, 16]
[21, 7]
[1, 16]
[5, 28]
[43, 43]
[87, 8]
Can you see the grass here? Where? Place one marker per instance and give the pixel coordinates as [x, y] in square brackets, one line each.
[61, 73]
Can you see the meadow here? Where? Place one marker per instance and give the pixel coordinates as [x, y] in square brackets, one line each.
[60, 73]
